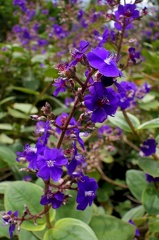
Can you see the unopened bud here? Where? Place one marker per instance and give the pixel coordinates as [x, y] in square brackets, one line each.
[34, 117]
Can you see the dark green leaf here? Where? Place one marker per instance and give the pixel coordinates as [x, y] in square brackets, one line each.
[111, 228]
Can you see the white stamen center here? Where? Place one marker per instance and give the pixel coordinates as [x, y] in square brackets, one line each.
[50, 163]
[89, 194]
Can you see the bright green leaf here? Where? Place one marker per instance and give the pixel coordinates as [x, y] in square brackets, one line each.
[25, 107]
[26, 235]
[133, 213]
[119, 120]
[150, 200]
[7, 155]
[3, 186]
[16, 114]
[70, 229]
[6, 126]
[154, 123]
[136, 182]
[149, 166]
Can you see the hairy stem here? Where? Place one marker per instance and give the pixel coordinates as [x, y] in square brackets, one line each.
[77, 101]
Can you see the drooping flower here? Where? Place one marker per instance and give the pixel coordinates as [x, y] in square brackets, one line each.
[77, 54]
[60, 85]
[86, 192]
[9, 219]
[126, 92]
[148, 147]
[137, 233]
[150, 178]
[56, 199]
[50, 164]
[142, 91]
[104, 61]
[75, 161]
[101, 101]
[133, 55]
[104, 37]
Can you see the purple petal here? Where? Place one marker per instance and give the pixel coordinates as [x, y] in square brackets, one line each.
[44, 173]
[56, 173]
[109, 70]
[99, 115]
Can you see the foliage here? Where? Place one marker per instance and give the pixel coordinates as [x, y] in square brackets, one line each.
[70, 121]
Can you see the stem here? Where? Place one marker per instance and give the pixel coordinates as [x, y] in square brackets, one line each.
[47, 207]
[77, 100]
[109, 179]
[130, 124]
[136, 133]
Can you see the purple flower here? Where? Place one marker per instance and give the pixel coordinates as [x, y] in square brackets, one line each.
[69, 101]
[126, 95]
[30, 154]
[60, 85]
[104, 61]
[76, 160]
[137, 233]
[150, 179]
[101, 101]
[104, 130]
[42, 42]
[21, 4]
[27, 178]
[61, 120]
[141, 91]
[56, 199]
[9, 219]
[45, 11]
[78, 54]
[50, 164]
[125, 15]
[80, 14]
[105, 36]
[148, 147]
[86, 192]
[133, 55]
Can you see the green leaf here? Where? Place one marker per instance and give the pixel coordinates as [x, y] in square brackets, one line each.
[26, 235]
[136, 182]
[7, 155]
[19, 193]
[70, 229]
[51, 72]
[154, 227]
[69, 210]
[25, 107]
[25, 90]
[150, 200]
[154, 123]
[3, 186]
[3, 114]
[119, 120]
[6, 126]
[39, 58]
[16, 114]
[149, 166]
[111, 228]
[133, 213]
[6, 100]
